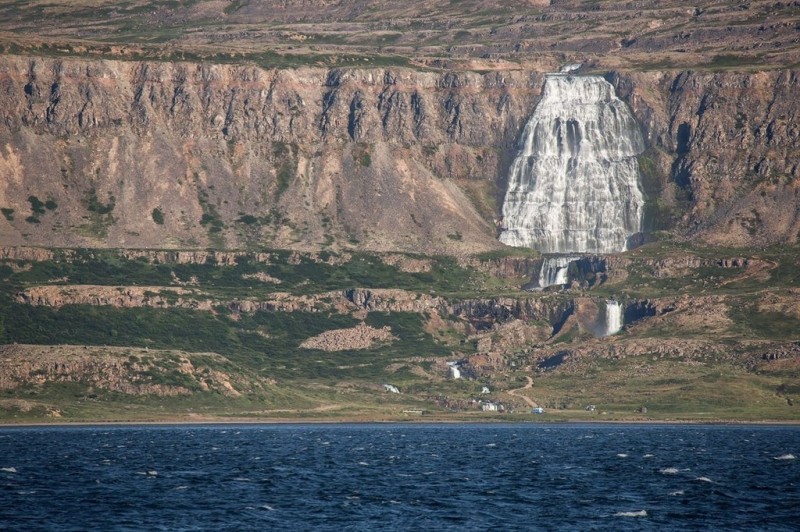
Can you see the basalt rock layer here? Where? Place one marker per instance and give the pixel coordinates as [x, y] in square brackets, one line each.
[102, 153]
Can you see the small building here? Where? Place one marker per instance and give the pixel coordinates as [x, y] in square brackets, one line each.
[591, 408]
[489, 406]
[537, 410]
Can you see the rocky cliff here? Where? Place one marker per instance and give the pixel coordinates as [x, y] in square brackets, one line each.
[103, 153]
[724, 147]
[100, 153]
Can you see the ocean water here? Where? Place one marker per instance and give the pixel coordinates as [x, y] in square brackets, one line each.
[400, 477]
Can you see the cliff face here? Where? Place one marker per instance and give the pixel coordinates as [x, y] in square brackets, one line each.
[725, 151]
[181, 155]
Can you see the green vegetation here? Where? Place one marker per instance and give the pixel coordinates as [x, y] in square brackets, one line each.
[100, 217]
[765, 324]
[362, 155]
[301, 275]
[234, 6]
[247, 219]
[264, 342]
[669, 388]
[94, 205]
[726, 61]
[211, 219]
[507, 251]
[265, 345]
[37, 206]
[8, 213]
[158, 216]
[285, 156]
[189, 330]
[453, 33]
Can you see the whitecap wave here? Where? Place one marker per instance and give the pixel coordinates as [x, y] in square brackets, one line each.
[8, 469]
[676, 493]
[639, 513]
[787, 456]
[622, 455]
[669, 471]
[704, 479]
[648, 455]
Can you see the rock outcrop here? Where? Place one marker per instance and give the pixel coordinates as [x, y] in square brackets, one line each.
[360, 337]
[724, 151]
[124, 370]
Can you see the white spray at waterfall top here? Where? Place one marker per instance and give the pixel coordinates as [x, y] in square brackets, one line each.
[574, 187]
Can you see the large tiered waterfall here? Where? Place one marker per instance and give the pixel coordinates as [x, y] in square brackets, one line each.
[574, 187]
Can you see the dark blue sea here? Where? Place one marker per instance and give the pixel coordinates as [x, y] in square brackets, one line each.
[400, 477]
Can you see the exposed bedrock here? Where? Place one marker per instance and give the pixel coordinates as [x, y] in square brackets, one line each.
[190, 156]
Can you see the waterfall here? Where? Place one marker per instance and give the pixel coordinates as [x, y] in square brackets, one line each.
[554, 271]
[613, 317]
[574, 186]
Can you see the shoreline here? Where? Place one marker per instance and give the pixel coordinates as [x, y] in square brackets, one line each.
[388, 421]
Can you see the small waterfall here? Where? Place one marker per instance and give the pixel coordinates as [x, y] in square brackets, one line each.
[574, 186]
[555, 271]
[613, 317]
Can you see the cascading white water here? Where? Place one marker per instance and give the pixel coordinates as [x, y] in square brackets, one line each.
[614, 319]
[574, 187]
[554, 271]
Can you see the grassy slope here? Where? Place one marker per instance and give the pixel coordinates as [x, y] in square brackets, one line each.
[345, 383]
[476, 34]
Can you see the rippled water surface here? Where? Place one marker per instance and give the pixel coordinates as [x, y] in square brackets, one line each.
[400, 477]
